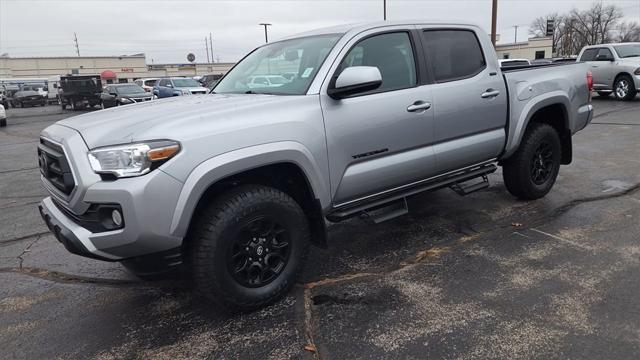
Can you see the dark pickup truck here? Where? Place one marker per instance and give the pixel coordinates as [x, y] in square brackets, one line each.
[80, 91]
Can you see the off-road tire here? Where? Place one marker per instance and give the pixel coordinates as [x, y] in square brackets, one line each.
[518, 172]
[214, 235]
[3, 122]
[631, 92]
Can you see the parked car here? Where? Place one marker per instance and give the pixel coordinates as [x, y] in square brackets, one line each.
[210, 80]
[123, 94]
[30, 95]
[3, 116]
[169, 87]
[147, 84]
[4, 100]
[240, 185]
[261, 81]
[615, 68]
[507, 63]
[79, 91]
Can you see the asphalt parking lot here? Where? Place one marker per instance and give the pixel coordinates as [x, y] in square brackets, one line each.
[482, 276]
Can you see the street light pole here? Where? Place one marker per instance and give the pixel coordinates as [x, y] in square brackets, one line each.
[515, 38]
[384, 9]
[494, 16]
[266, 38]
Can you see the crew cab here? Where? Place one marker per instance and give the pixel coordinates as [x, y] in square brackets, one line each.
[615, 68]
[236, 185]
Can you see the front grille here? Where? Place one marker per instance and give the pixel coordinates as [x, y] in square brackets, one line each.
[54, 166]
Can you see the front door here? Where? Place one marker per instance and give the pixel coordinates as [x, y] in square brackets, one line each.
[377, 140]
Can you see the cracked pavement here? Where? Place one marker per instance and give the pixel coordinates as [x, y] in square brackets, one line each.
[481, 276]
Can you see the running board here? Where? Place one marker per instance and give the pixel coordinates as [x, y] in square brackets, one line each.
[463, 190]
[387, 212]
[379, 202]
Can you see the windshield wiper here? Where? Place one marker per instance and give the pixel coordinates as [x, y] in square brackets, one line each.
[630, 56]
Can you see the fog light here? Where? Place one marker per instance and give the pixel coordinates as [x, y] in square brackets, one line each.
[116, 216]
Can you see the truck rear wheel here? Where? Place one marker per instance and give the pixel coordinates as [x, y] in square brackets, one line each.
[531, 171]
[248, 247]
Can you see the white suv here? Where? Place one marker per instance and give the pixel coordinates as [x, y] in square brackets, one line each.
[615, 68]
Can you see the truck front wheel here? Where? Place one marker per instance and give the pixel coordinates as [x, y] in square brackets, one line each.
[532, 170]
[248, 247]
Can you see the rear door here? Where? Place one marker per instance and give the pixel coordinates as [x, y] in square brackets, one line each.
[599, 69]
[470, 98]
[377, 140]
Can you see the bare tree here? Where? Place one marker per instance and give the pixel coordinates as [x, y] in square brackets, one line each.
[628, 32]
[579, 28]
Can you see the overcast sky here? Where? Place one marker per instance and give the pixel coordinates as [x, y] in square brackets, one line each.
[167, 30]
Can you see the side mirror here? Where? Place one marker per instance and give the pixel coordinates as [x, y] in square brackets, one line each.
[113, 94]
[169, 85]
[603, 57]
[354, 80]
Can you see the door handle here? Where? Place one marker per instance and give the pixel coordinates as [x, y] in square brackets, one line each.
[418, 105]
[490, 93]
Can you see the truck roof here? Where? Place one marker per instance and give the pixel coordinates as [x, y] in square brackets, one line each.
[358, 27]
[611, 44]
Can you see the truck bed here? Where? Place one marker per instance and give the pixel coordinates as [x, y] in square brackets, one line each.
[533, 87]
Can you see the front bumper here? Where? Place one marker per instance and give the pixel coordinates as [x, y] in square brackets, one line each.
[147, 204]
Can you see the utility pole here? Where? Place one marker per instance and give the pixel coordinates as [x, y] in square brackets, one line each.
[211, 46]
[206, 45]
[494, 18]
[384, 9]
[266, 38]
[515, 38]
[77, 46]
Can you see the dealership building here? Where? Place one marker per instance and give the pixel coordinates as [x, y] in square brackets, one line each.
[113, 69]
[534, 48]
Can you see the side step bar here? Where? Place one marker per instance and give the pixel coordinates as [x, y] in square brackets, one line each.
[378, 203]
[463, 190]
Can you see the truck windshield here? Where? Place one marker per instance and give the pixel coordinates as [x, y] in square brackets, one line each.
[301, 57]
[627, 51]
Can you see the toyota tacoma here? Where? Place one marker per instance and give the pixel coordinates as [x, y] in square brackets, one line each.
[236, 186]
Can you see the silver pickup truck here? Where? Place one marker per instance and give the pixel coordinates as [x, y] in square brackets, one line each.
[236, 185]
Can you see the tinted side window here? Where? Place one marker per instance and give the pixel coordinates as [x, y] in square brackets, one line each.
[453, 54]
[391, 53]
[589, 55]
[605, 52]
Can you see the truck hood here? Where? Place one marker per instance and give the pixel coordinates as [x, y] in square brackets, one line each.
[177, 118]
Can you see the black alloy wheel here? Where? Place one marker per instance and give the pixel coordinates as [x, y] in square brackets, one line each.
[259, 252]
[542, 163]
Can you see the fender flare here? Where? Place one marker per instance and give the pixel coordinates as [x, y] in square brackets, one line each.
[237, 161]
[548, 99]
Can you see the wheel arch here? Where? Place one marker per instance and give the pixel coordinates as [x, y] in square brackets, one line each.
[277, 165]
[552, 110]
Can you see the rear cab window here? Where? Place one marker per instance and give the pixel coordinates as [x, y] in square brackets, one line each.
[453, 54]
[589, 54]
